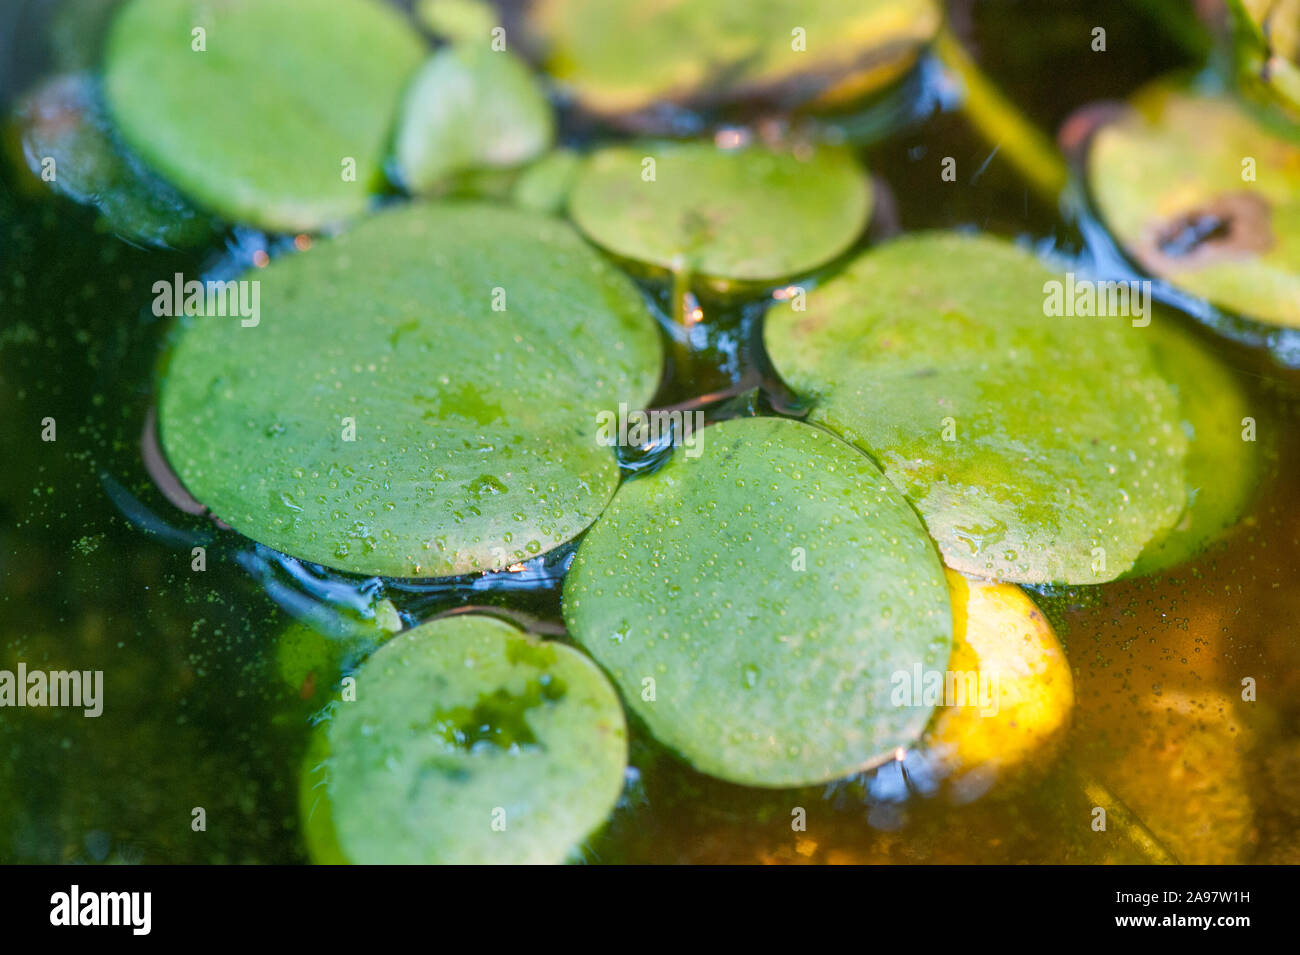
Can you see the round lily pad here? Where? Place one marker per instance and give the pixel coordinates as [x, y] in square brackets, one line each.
[1206, 195]
[1037, 448]
[470, 742]
[282, 118]
[618, 56]
[1222, 469]
[68, 142]
[750, 214]
[419, 396]
[469, 107]
[753, 603]
[312, 653]
[1004, 651]
[545, 185]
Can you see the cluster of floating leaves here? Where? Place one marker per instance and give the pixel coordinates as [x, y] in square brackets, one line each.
[421, 399]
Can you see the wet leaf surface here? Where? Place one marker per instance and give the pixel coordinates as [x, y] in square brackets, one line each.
[1065, 452]
[768, 588]
[749, 214]
[470, 742]
[1204, 194]
[475, 426]
[261, 124]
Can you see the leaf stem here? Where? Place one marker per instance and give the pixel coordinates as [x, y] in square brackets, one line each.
[997, 120]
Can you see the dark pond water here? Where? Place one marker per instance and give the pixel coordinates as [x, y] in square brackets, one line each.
[95, 562]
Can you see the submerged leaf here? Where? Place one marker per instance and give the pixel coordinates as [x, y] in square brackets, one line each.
[1037, 448]
[623, 55]
[282, 118]
[753, 603]
[470, 107]
[1206, 195]
[311, 654]
[68, 142]
[470, 742]
[545, 185]
[748, 214]
[315, 819]
[1004, 647]
[413, 400]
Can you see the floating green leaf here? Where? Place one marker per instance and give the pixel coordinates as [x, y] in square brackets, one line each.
[468, 107]
[545, 185]
[1222, 469]
[466, 348]
[1036, 448]
[748, 214]
[754, 603]
[68, 142]
[281, 119]
[1206, 195]
[619, 56]
[470, 742]
[316, 821]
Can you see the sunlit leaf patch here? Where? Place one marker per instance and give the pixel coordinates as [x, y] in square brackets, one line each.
[1037, 448]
